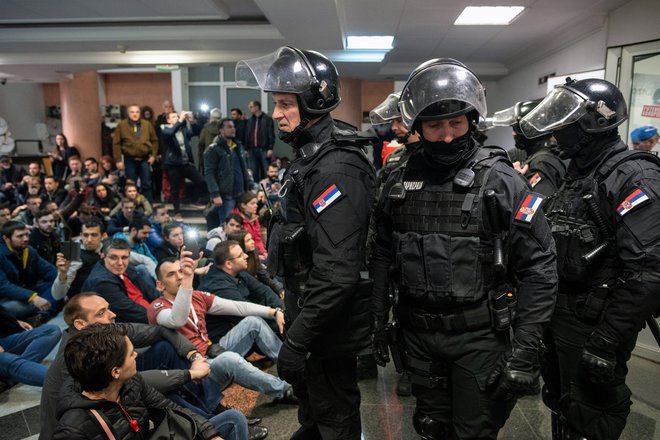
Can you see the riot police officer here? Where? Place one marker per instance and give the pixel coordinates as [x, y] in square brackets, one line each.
[470, 256]
[544, 169]
[317, 246]
[604, 222]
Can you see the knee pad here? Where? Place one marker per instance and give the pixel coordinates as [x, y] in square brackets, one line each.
[429, 428]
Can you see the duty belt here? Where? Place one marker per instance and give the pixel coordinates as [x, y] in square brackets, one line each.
[476, 317]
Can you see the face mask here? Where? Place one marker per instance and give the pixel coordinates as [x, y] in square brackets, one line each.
[569, 141]
[449, 153]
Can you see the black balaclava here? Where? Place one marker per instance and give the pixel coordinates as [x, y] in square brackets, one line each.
[585, 149]
[454, 152]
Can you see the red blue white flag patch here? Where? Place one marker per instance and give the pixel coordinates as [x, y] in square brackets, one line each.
[326, 198]
[535, 179]
[635, 199]
[530, 205]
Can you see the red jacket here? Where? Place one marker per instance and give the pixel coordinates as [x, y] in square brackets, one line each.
[254, 228]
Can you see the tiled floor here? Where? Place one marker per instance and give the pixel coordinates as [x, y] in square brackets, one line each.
[385, 416]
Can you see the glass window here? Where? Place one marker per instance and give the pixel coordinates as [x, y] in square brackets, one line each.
[203, 73]
[199, 95]
[645, 93]
[229, 72]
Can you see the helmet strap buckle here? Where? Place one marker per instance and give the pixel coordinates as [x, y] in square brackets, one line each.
[604, 110]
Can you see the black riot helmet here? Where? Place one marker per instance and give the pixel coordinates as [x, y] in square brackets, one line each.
[442, 88]
[306, 73]
[596, 105]
[511, 117]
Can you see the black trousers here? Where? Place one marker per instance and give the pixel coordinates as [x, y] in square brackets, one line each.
[462, 407]
[329, 400]
[177, 176]
[596, 411]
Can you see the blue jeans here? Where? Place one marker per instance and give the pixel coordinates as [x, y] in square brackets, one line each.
[257, 162]
[21, 309]
[20, 362]
[251, 331]
[223, 211]
[139, 168]
[232, 425]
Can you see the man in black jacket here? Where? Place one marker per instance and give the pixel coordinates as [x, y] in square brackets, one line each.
[228, 278]
[43, 236]
[170, 362]
[319, 247]
[259, 140]
[53, 192]
[128, 291]
[225, 171]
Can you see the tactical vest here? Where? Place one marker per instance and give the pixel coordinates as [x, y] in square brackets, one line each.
[576, 230]
[442, 253]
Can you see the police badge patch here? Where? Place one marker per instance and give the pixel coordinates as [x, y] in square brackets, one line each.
[634, 199]
[413, 186]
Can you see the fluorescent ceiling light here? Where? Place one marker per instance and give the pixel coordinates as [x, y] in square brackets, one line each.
[489, 15]
[366, 56]
[383, 42]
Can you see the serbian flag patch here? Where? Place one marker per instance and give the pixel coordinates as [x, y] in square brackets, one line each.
[326, 198]
[635, 199]
[529, 206]
[536, 178]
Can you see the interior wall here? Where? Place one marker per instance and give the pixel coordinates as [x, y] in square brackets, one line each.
[349, 109]
[635, 22]
[22, 106]
[138, 88]
[51, 94]
[375, 92]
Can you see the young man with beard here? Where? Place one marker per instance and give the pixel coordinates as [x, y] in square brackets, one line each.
[44, 237]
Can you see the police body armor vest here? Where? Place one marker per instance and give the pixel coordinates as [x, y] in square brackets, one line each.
[576, 232]
[442, 253]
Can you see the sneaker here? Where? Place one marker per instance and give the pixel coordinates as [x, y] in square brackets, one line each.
[366, 367]
[404, 387]
[289, 398]
[257, 432]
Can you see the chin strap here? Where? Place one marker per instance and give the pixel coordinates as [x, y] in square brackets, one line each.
[291, 137]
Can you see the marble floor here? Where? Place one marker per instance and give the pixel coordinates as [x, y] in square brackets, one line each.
[385, 416]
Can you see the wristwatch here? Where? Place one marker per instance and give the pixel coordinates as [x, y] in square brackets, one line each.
[196, 355]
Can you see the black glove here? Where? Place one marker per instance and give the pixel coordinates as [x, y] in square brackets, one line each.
[291, 362]
[599, 358]
[516, 374]
[379, 344]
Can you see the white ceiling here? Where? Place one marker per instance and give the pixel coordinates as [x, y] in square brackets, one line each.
[46, 40]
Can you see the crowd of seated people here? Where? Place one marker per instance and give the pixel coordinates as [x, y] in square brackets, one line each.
[85, 239]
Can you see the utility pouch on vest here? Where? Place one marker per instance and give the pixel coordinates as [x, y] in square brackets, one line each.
[395, 344]
[594, 304]
[502, 306]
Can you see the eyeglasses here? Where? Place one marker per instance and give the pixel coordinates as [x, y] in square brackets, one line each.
[243, 254]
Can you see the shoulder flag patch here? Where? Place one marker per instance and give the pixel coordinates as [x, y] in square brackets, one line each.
[535, 179]
[636, 198]
[529, 206]
[326, 198]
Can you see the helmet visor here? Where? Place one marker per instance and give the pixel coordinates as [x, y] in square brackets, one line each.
[386, 111]
[442, 83]
[284, 70]
[561, 107]
[505, 118]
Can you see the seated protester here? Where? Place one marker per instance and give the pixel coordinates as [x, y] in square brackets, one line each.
[29, 210]
[119, 222]
[25, 277]
[232, 223]
[142, 205]
[160, 217]
[76, 174]
[74, 223]
[73, 274]
[170, 362]
[128, 291]
[271, 182]
[103, 200]
[186, 310]
[44, 238]
[228, 279]
[172, 242]
[91, 174]
[247, 209]
[255, 267]
[112, 176]
[30, 186]
[5, 213]
[22, 349]
[10, 176]
[102, 361]
[138, 231]
[52, 192]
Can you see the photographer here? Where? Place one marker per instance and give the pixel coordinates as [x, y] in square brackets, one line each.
[178, 160]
